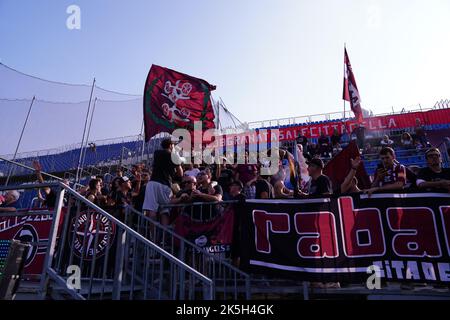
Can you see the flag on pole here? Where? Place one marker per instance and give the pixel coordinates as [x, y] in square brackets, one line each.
[175, 100]
[351, 92]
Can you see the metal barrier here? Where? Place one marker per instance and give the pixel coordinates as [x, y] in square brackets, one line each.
[105, 259]
[229, 281]
[116, 262]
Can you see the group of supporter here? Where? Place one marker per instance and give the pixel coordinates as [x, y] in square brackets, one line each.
[173, 184]
[123, 190]
[150, 189]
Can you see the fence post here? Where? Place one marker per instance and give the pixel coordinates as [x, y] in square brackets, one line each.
[51, 242]
[208, 291]
[118, 271]
[182, 271]
[305, 290]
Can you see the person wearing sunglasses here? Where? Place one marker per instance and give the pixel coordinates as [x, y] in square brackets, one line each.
[434, 178]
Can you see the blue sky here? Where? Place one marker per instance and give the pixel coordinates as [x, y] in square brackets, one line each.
[268, 59]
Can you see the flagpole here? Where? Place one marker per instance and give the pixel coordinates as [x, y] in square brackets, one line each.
[20, 140]
[88, 134]
[218, 114]
[78, 173]
[216, 105]
[345, 117]
[143, 140]
[227, 109]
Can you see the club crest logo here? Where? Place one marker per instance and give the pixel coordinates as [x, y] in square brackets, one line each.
[175, 93]
[94, 233]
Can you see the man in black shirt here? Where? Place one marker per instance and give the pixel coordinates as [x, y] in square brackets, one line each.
[236, 188]
[360, 132]
[138, 201]
[324, 145]
[158, 191]
[301, 139]
[264, 190]
[320, 184]
[434, 177]
[225, 179]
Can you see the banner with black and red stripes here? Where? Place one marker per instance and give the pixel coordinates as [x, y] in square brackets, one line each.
[404, 237]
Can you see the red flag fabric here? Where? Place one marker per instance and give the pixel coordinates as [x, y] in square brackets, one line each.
[175, 100]
[351, 92]
[339, 167]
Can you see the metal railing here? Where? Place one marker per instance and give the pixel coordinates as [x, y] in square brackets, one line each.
[229, 281]
[113, 261]
[71, 147]
[116, 262]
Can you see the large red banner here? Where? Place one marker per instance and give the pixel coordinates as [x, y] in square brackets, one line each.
[31, 227]
[342, 238]
[389, 122]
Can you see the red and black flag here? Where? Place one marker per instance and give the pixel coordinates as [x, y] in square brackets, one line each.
[351, 92]
[175, 100]
[339, 167]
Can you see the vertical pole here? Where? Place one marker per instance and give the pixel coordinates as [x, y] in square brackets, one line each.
[20, 140]
[143, 140]
[51, 241]
[345, 116]
[215, 106]
[119, 264]
[88, 134]
[78, 174]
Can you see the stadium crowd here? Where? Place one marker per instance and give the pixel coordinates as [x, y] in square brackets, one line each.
[148, 189]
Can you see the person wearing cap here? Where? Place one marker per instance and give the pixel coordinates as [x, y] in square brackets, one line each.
[9, 201]
[206, 191]
[320, 184]
[158, 191]
[434, 178]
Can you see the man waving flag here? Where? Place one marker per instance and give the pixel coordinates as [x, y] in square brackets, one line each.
[351, 92]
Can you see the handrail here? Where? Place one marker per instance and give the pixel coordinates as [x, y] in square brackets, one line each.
[51, 263]
[42, 172]
[228, 279]
[119, 223]
[209, 255]
[31, 186]
[73, 147]
[30, 168]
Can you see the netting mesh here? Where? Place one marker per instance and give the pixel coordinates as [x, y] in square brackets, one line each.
[58, 114]
[17, 85]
